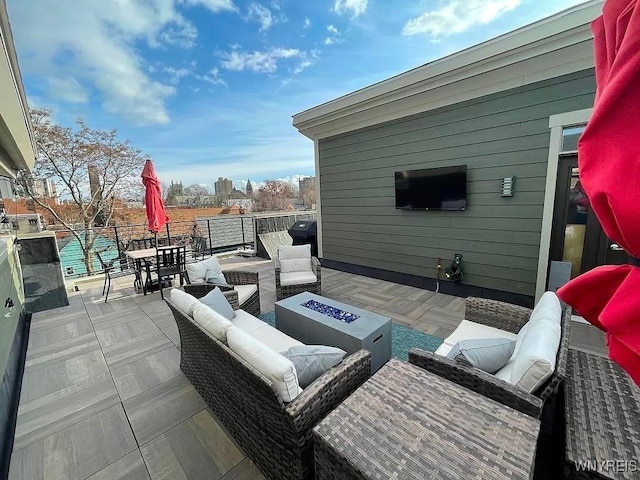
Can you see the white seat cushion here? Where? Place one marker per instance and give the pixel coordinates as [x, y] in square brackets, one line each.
[295, 265]
[197, 271]
[294, 251]
[468, 330]
[274, 338]
[443, 349]
[247, 322]
[183, 301]
[278, 369]
[264, 332]
[245, 292]
[297, 278]
[211, 321]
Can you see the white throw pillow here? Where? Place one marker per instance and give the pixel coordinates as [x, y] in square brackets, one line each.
[198, 271]
[535, 360]
[211, 321]
[295, 251]
[216, 300]
[215, 277]
[183, 301]
[274, 366]
[295, 265]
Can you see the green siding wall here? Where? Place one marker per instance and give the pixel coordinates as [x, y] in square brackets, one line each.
[496, 136]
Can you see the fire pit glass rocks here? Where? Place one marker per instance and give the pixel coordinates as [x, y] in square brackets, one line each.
[330, 311]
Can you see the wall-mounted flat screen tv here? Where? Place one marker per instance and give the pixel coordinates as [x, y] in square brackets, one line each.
[432, 189]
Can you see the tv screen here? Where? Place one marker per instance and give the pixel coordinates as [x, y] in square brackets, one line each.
[432, 189]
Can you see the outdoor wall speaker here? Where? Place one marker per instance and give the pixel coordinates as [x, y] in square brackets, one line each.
[508, 184]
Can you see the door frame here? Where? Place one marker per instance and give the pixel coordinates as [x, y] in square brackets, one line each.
[556, 124]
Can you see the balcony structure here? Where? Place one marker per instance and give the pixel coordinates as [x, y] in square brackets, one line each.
[103, 395]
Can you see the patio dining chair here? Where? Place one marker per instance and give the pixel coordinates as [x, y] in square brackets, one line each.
[111, 270]
[142, 243]
[170, 261]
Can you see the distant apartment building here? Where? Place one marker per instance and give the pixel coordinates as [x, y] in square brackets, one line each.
[223, 186]
[306, 184]
[44, 188]
[22, 223]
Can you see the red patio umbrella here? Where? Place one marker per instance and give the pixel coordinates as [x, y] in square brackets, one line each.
[156, 214]
[609, 161]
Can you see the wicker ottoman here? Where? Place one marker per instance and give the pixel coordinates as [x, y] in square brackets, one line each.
[602, 414]
[407, 423]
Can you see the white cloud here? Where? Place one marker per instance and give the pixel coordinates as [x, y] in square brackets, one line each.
[355, 7]
[260, 14]
[213, 77]
[67, 89]
[182, 35]
[456, 16]
[176, 74]
[87, 43]
[256, 61]
[307, 23]
[302, 66]
[213, 5]
[334, 35]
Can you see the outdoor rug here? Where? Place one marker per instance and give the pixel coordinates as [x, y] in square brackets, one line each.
[403, 338]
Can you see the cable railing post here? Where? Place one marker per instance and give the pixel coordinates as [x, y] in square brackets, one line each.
[115, 232]
[210, 240]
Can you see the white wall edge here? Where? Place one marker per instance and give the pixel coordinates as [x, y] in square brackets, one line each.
[316, 155]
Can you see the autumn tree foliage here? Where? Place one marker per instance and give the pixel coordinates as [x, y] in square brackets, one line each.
[92, 167]
[273, 195]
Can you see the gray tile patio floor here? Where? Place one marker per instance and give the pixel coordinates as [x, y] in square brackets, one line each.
[103, 396]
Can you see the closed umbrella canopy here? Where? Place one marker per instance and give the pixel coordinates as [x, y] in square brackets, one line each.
[609, 161]
[156, 215]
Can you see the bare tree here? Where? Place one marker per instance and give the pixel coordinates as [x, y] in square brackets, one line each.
[94, 168]
[197, 190]
[273, 195]
[309, 197]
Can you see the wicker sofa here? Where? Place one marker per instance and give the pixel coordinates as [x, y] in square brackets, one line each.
[277, 436]
[507, 318]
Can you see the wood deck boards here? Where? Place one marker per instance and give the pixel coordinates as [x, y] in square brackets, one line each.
[103, 396]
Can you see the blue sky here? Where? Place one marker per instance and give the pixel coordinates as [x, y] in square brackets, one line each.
[208, 87]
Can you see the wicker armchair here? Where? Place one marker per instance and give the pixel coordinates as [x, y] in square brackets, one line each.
[234, 278]
[510, 318]
[290, 289]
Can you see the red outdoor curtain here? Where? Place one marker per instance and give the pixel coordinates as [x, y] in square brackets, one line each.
[609, 161]
[156, 215]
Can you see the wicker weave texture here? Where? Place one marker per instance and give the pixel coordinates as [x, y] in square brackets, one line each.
[276, 436]
[407, 423]
[286, 291]
[250, 305]
[602, 408]
[486, 384]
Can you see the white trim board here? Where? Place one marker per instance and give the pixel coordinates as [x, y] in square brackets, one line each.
[556, 123]
[554, 46]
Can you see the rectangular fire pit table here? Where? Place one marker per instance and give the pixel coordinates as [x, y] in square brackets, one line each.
[353, 329]
[407, 423]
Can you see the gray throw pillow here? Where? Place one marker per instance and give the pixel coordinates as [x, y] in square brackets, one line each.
[311, 361]
[215, 277]
[216, 300]
[488, 354]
